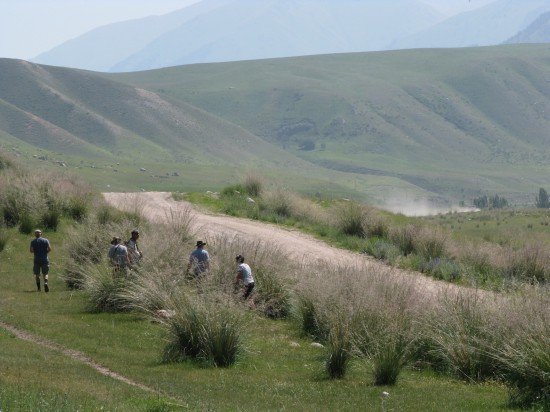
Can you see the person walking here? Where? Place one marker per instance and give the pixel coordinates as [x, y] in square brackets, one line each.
[40, 247]
[118, 255]
[244, 276]
[199, 260]
[134, 252]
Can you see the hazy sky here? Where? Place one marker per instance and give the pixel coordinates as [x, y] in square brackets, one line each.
[30, 27]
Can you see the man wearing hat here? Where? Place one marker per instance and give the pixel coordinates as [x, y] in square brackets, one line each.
[134, 252]
[199, 259]
[40, 247]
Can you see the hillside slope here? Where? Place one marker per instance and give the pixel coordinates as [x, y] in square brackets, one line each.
[444, 125]
[445, 120]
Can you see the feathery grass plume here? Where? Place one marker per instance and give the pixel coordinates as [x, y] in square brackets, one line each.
[383, 326]
[104, 289]
[26, 224]
[430, 243]
[339, 346]
[279, 202]
[461, 336]
[351, 219]
[253, 185]
[530, 263]
[270, 268]
[404, 238]
[153, 290]
[523, 329]
[205, 329]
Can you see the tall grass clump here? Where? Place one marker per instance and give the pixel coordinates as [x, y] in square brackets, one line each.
[351, 219]
[383, 332]
[529, 264]
[105, 289]
[339, 347]
[461, 337]
[524, 353]
[270, 269]
[253, 185]
[203, 329]
[404, 238]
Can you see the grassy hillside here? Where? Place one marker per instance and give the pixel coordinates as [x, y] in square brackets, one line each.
[314, 337]
[441, 126]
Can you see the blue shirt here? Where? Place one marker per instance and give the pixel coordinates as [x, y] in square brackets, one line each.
[40, 247]
[200, 258]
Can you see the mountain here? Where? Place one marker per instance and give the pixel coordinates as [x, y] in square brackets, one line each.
[446, 125]
[235, 30]
[229, 30]
[490, 25]
[536, 32]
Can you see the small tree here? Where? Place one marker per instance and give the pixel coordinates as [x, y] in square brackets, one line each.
[543, 202]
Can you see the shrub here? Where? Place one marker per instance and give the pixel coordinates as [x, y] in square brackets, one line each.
[77, 208]
[383, 339]
[428, 243]
[462, 337]
[50, 219]
[104, 289]
[351, 220]
[203, 329]
[339, 349]
[530, 264]
[312, 321]
[404, 238]
[383, 250]
[26, 224]
[271, 296]
[253, 185]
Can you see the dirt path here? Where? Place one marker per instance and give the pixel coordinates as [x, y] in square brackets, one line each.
[298, 246]
[74, 354]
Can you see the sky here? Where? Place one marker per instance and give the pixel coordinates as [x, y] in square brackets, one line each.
[31, 27]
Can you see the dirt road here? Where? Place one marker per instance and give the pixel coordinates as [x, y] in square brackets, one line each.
[298, 246]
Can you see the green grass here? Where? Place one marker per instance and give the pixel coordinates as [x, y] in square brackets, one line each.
[272, 374]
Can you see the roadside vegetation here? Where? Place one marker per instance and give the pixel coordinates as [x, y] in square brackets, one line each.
[314, 337]
[495, 249]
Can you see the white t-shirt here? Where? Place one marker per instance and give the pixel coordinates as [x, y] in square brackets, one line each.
[246, 273]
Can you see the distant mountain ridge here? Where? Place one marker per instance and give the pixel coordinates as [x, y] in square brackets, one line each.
[536, 32]
[235, 30]
[230, 30]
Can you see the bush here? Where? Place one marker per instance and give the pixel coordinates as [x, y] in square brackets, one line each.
[339, 349]
[26, 224]
[383, 250]
[351, 220]
[404, 238]
[462, 337]
[271, 296]
[205, 330]
[253, 185]
[50, 219]
[104, 289]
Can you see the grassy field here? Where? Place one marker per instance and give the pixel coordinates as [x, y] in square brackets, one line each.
[272, 374]
[384, 346]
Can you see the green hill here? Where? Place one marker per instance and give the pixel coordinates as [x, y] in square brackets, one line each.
[440, 125]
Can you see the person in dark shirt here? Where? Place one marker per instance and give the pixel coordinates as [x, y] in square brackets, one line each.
[41, 247]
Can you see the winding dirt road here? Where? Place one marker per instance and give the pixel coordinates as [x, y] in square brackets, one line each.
[302, 248]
